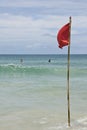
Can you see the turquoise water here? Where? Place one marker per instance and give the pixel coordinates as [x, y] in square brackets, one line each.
[33, 92]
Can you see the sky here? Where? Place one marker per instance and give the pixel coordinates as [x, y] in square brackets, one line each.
[31, 26]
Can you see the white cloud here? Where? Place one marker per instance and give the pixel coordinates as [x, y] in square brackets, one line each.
[35, 29]
[44, 3]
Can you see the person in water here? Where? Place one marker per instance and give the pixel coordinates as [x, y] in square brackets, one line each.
[49, 60]
[21, 60]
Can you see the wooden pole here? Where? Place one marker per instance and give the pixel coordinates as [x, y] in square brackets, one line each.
[68, 75]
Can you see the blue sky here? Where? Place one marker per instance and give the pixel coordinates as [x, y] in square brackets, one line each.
[31, 26]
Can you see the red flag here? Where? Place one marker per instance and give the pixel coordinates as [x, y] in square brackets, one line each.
[63, 35]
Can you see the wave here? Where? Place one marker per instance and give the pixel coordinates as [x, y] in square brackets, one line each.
[83, 121]
[80, 124]
[14, 68]
[48, 69]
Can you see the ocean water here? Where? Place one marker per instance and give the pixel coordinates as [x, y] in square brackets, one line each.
[33, 92]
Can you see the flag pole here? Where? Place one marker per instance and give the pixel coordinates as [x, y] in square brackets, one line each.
[68, 75]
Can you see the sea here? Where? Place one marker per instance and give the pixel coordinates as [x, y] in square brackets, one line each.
[33, 92]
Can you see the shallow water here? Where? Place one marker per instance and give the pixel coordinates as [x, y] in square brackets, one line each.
[33, 92]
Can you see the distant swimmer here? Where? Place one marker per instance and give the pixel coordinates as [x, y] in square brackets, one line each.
[21, 60]
[49, 60]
